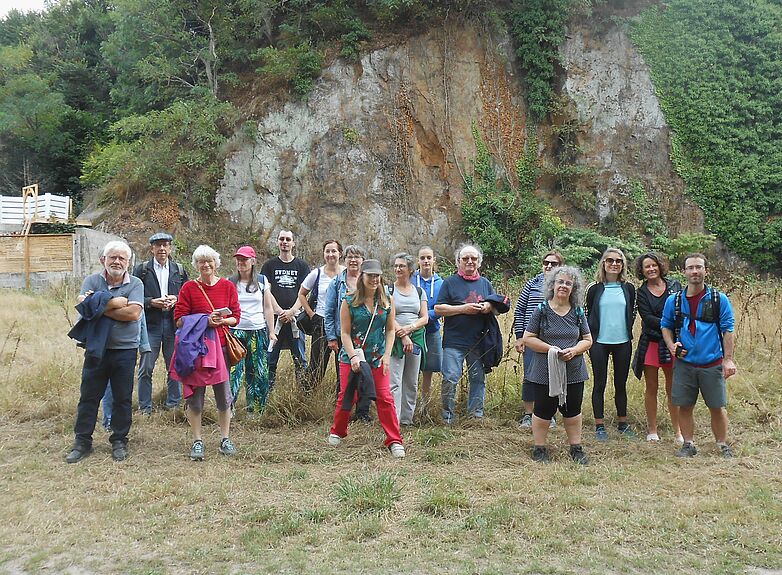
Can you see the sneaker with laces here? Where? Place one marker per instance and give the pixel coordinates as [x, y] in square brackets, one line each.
[727, 453]
[687, 450]
[397, 450]
[601, 434]
[627, 431]
[540, 454]
[577, 454]
[197, 451]
[334, 439]
[526, 420]
[227, 447]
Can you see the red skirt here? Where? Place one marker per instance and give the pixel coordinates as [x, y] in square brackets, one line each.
[652, 357]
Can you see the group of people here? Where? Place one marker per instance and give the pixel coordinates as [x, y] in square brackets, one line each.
[687, 333]
[383, 336]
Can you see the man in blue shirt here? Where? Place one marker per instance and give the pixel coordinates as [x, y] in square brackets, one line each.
[115, 361]
[700, 336]
[462, 302]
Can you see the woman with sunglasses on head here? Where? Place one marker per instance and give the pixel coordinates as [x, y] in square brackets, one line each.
[367, 332]
[652, 353]
[559, 336]
[530, 297]
[610, 310]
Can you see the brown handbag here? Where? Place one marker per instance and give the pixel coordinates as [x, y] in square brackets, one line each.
[234, 348]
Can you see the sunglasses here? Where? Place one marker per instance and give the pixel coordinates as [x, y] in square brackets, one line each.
[549, 263]
[613, 262]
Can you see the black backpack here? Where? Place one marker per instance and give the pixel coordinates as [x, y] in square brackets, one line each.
[710, 312]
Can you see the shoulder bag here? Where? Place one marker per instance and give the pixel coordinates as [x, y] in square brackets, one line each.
[234, 348]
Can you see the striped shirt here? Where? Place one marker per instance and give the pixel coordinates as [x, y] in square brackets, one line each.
[529, 299]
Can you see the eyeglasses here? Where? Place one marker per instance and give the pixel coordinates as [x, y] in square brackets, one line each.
[353, 257]
[613, 262]
[565, 283]
[399, 266]
[469, 258]
[550, 264]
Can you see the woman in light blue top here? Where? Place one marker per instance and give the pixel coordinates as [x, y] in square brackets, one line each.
[610, 311]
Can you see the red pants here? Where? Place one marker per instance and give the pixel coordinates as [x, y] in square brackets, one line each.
[386, 412]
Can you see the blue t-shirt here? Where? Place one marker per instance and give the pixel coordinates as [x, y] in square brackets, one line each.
[704, 347]
[462, 331]
[613, 323]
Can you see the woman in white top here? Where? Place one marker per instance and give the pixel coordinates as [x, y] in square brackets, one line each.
[313, 293]
[255, 301]
[412, 315]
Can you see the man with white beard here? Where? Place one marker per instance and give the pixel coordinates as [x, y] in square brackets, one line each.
[110, 303]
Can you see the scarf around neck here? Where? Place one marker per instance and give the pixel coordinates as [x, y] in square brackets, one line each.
[471, 278]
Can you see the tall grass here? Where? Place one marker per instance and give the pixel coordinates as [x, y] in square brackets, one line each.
[40, 367]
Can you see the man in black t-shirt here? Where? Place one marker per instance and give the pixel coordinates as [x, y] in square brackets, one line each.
[286, 274]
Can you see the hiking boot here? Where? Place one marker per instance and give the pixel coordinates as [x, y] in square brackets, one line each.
[601, 434]
[577, 454]
[687, 450]
[397, 450]
[540, 454]
[77, 453]
[119, 451]
[227, 447]
[334, 439]
[197, 451]
[727, 453]
[526, 420]
[627, 431]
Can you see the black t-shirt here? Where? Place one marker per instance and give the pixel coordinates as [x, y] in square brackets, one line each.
[285, 279]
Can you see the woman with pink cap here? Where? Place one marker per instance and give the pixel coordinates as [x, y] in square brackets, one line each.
[253, 330]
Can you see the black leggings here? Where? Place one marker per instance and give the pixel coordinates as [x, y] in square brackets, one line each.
[599, 353]
[546, 407]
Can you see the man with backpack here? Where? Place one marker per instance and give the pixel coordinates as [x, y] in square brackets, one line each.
[697, 326]
[162, 279]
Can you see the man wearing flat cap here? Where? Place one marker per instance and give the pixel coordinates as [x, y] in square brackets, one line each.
[162, 279]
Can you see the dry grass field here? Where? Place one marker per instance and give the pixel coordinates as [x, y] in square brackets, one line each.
[466, 500]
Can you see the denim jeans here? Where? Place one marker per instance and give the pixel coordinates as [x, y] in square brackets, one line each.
[452, 368]
[162, 335]
[285, 340]
[117, 367]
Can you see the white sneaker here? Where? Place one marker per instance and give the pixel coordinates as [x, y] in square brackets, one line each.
[679, 440]
[652, 437]
[334, 439]
[397, 450]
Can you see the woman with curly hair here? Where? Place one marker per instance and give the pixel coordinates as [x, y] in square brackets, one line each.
[651, 355]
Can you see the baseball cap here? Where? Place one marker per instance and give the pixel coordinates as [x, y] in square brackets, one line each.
[371, 267]
[245, 252]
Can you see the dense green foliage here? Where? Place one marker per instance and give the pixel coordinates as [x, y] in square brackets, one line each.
[97, 92]
[538, 28]
[718, 71]
[506, 220]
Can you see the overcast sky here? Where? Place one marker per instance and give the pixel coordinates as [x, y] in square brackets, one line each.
[22, 5]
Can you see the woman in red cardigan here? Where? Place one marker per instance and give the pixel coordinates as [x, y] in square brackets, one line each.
[204, 295]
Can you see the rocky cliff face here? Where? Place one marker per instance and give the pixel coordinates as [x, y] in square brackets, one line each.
[376, 155]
